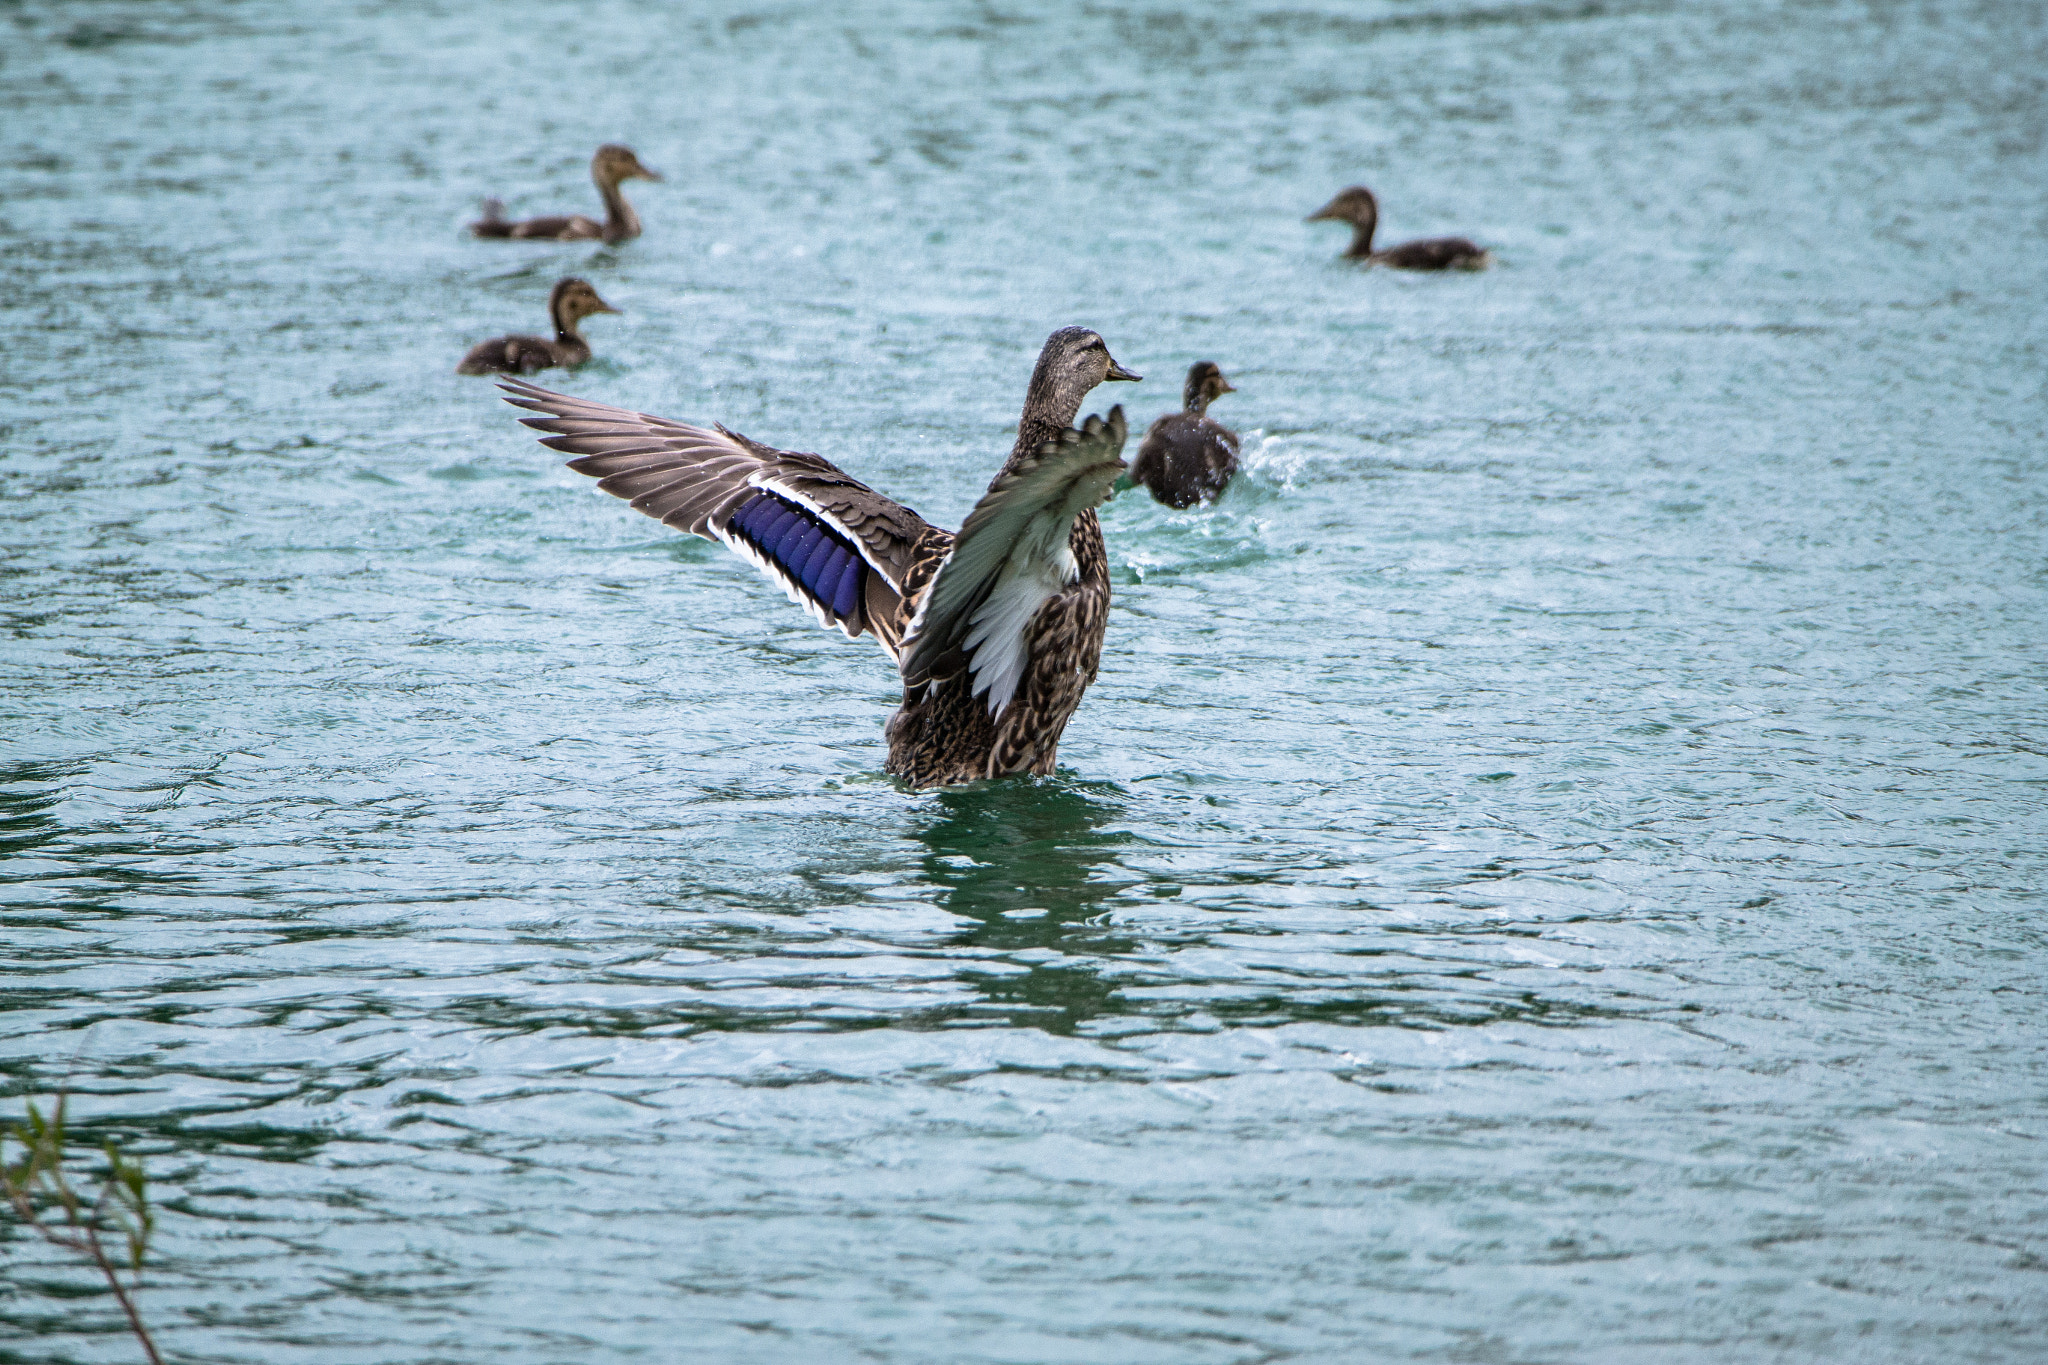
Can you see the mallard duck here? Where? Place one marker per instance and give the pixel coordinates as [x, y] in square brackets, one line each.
[569, 302]
[612, 164]
[1357, 207]
[1188, 456]
[995, 629]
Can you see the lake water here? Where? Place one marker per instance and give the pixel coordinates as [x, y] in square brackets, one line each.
[1550, 871]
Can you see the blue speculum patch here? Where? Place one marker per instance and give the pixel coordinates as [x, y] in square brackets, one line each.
[812, 552]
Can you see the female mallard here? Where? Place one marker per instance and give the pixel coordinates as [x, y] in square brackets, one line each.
[571, 301]
[996, 629]
[1188, 457]
[612, 164]
[1357, 207]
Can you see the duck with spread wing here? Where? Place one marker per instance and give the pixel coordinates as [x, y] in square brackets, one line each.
[995, 628]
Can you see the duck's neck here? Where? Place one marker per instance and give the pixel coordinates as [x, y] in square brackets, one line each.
[1046, 415]
[565, 325]
[620, 222]
[1197, 403]
[1361, 235]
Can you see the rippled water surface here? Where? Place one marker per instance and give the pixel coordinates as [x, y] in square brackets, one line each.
[1551, 869]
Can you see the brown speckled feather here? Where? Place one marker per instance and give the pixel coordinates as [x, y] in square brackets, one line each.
[944, 734]
[975, 704]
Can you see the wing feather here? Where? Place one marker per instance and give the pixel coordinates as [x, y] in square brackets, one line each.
[1010, 557]
[834, 545]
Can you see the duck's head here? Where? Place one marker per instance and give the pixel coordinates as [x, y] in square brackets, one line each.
[1074, 360]
[572, 300]
[1205, 385]
[1355, 205]
[614, 163]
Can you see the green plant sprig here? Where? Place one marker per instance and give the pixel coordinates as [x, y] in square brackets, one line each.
[36, 1185]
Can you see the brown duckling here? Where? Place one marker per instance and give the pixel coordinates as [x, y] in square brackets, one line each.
[571, 301]
[612, 164]
[1188, 457]
[1357, 207]
[995, 629]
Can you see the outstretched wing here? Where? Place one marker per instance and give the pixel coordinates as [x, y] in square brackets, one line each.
[837, 547]
[1010, 557]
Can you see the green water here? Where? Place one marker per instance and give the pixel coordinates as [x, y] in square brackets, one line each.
[1547, 872]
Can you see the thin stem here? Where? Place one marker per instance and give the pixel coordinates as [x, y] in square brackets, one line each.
[99, 1257]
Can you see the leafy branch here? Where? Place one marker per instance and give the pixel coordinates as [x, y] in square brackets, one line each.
[37, 1187]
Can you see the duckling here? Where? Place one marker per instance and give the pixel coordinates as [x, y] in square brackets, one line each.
[1188, 457]
[612, 164]
[1357, 207]
[995, 629]
[569, 302]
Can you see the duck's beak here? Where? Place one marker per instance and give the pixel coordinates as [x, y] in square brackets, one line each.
[604, 307]
[1117, 371]
[646, 174]
[1328, 210]
[1228, 387]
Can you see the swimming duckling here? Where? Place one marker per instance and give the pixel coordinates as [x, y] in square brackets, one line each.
[1357, 207]
[612, 164]
[995, 629]
[1188, 457]
[571, 301]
